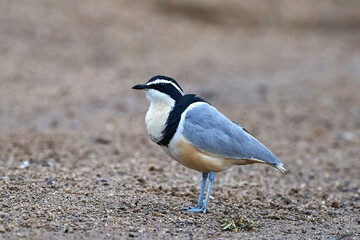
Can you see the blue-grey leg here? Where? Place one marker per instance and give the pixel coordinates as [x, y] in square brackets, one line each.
[204, 206]
[201, 197]
[211, 180]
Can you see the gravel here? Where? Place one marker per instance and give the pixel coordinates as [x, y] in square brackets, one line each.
[75, 159]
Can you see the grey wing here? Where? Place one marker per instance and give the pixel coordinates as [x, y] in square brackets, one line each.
[210, 131]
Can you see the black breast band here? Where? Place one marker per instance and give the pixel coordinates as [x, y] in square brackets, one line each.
[173, 120]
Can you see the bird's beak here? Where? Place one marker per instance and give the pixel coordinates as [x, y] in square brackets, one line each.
[140, 87]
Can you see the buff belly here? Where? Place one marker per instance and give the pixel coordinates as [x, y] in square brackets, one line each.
[185, 153]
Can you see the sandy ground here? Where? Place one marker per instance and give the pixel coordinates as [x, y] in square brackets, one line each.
[75, 159]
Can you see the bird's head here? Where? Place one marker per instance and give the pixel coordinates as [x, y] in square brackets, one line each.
[161, 89]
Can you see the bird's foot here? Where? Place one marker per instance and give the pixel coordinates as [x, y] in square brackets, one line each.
[197, 208]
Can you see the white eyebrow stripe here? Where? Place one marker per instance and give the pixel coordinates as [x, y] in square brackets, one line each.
[165, 81]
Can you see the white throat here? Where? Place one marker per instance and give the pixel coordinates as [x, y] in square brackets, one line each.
[160, 106]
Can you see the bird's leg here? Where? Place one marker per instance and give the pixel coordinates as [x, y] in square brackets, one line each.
[201, 197]
[204, 206]
[211, 180]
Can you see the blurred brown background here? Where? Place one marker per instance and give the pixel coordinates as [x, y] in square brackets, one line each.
[288, 71]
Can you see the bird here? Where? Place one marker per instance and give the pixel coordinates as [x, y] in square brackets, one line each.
[194, 133]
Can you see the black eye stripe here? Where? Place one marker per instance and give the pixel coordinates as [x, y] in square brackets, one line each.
[159, 86]
[160, 77]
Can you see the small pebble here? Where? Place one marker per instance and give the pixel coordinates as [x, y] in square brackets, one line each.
[24, 165]
[21, 235]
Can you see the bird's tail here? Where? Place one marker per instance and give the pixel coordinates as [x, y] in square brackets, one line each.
[280, 168]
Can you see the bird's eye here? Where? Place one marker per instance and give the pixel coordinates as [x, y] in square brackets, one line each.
[162, 85]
